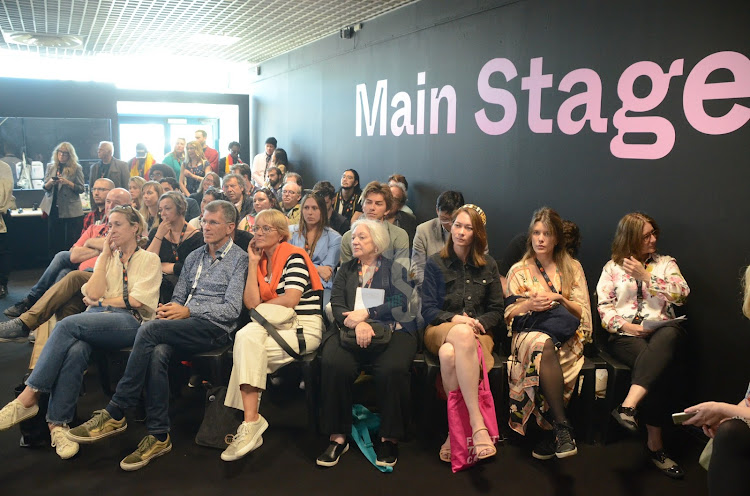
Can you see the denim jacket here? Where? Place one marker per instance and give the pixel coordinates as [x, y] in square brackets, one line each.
[451, 287]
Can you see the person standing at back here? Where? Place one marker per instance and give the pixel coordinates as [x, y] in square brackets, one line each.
[211, 155]
[262, 162]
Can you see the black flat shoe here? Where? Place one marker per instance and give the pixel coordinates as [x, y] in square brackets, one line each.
[665, 464]
[387, 453]
[625, 416]
[331, 455]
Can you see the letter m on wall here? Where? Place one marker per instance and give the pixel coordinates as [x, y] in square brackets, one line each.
[377, 112]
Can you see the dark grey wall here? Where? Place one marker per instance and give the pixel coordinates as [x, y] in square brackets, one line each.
[697, 192]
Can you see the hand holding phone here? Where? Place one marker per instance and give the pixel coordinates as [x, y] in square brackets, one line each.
[680, 417]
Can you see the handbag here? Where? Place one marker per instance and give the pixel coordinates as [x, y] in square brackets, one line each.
[557, 322]
[378, 343]
[220, 422]
[463, 451]
[277, 317]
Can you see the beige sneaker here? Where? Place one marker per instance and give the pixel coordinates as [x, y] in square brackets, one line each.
[99, 426]
[248, 438]
[14, 413]
[148, 448]
[64, 447]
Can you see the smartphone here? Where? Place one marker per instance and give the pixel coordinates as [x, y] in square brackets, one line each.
[55, 178]
[679, 418]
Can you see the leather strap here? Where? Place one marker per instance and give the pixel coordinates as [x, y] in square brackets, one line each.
[257, 317]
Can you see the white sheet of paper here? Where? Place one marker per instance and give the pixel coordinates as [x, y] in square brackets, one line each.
[369, 298]
[651, 325]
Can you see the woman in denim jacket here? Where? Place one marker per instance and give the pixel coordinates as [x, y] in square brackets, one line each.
[462, 301]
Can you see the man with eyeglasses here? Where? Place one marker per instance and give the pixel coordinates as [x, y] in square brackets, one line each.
[58, 291]
[291, 195]
[204, 311]
[109, 167]
[99, 193]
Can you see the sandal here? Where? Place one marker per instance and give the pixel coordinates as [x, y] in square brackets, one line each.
[484, 450]
[445, 451]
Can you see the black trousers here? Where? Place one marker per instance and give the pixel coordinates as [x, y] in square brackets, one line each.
[340, 368]
[62, 233]
[653, 362]
[729, 471]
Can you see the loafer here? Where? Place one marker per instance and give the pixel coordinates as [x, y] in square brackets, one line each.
[19, 308]
[331, 455]
[666, 464]
[625, 416]
[387, 454]
[13, 331]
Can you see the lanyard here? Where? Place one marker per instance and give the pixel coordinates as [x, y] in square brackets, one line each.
[368, 283]
[125, 287]
[200, 270]
[176, 247]
[546, 277]
[639, 298]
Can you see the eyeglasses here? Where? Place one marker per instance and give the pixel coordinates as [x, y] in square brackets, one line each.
[262, 229]
[100, 189]
[653, 233]
[288, 192]
[61, 152]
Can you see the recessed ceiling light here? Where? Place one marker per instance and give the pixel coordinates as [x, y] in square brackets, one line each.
[43, 40]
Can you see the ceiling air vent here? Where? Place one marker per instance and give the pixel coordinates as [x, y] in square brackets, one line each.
[44, 40]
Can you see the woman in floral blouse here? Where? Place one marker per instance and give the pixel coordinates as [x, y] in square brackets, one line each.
[640, 286]
[543, 375]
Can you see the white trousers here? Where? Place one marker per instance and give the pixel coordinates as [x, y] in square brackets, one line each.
[256, 354]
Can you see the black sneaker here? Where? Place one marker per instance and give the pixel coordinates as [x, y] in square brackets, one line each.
[545, 448]
[13, 330]
[665, 464]
[387, 453]
[565, 445]
[331, 455]
[19, 308]
[625, 416]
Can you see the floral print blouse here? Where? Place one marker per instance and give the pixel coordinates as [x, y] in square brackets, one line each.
[618, 292]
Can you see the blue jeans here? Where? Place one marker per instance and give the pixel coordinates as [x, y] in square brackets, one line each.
[56, 270]
[148, 364]
[65, 357]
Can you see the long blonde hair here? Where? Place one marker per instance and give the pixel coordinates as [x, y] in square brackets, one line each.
[144, 209]
[69, 170]
[560, 255]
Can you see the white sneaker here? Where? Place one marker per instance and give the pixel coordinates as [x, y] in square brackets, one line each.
[247, 439]
[64, 447]
[14, 413]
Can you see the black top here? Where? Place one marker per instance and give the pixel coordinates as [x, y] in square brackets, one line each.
[391, 277]
[188, 245]
[339, 223]
[451, 287]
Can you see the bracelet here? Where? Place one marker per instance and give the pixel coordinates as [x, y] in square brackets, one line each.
[157, 237]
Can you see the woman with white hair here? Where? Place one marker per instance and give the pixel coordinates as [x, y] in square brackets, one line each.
[284, 288]
[368, 276]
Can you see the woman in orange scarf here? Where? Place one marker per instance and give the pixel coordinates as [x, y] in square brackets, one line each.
[278, 274]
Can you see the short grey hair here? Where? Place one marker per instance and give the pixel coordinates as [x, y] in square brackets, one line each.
[402, 187]
[378, 233]
[297, 177]
[240, 179]
[228, 210]
[109, 144]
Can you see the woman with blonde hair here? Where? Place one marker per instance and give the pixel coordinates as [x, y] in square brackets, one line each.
[462, 303]
[176, 157]
[122, 293]
[211, 180]
[281, 279]
[151, 192]
[639, 285]
[194, 169]
[544, 371]
[135, 186]
[63, 184]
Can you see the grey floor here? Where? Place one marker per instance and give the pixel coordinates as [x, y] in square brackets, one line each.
[285, 463]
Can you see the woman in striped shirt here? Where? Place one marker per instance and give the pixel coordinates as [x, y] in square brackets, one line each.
[278, 274]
